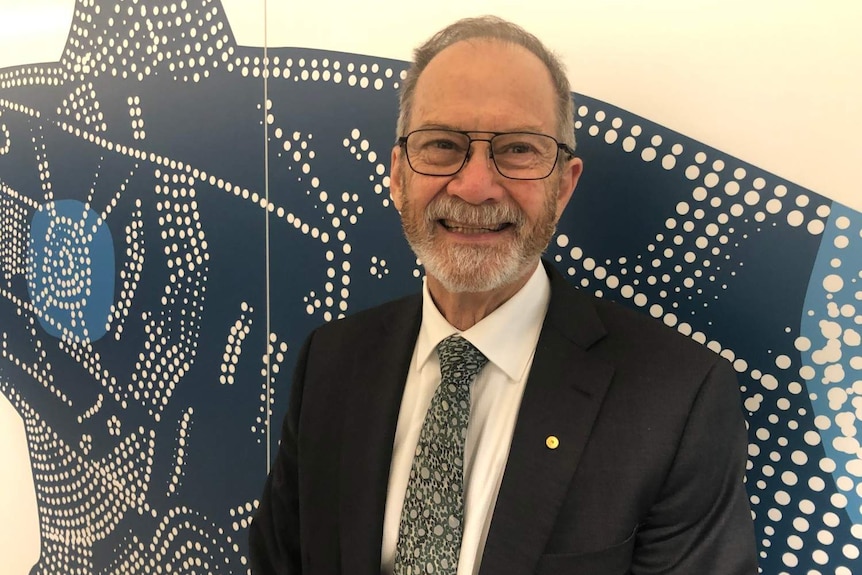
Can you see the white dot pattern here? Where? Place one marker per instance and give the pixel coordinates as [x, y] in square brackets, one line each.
[179, 453]
[102, 101]
[682, 277]
[276, 353]
[236, 336]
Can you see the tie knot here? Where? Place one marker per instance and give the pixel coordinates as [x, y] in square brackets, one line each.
[460, 361]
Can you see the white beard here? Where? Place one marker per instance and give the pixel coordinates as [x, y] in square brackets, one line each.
[473, 268]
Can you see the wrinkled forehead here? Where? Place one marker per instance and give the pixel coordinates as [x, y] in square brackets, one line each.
[482, 82]
[485, 59]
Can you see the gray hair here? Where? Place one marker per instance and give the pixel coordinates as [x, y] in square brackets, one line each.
[490, 28]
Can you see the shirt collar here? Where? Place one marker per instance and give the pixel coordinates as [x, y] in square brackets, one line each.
[507, 337]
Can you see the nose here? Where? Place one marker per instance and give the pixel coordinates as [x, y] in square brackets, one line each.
[478, 180]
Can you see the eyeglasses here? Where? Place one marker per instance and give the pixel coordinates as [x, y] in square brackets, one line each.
[517, 155]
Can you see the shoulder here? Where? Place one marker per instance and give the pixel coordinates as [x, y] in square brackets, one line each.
[624, 336]
[638, 328]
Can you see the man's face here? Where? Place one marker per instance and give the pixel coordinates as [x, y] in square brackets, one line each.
[477, 231]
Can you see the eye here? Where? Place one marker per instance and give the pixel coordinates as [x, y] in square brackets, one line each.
[524, 146]
[442, 143]
[519, 148]
[515, 147]
[429, 150]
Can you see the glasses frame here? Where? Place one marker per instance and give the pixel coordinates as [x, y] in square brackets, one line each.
[561, 147]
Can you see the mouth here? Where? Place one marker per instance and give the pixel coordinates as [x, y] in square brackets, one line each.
[470, 229]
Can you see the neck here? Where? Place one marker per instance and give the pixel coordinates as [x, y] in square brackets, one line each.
[463, 310]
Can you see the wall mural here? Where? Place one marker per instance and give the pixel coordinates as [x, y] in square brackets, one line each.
[172, 226]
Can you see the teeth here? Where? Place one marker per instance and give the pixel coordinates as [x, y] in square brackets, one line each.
[470, 230]
[473, 229]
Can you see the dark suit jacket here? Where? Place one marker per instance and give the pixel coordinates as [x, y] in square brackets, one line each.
[647, 478]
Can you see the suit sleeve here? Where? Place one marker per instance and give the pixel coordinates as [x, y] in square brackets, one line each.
[274, 535]
[702, 522]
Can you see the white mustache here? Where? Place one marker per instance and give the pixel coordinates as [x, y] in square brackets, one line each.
[482, 216]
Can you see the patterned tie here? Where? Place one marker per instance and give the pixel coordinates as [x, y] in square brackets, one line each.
[429, 539]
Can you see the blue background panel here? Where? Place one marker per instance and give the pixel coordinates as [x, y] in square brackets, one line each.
[222, 203]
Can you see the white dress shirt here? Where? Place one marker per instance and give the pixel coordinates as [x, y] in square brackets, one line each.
[507, 337]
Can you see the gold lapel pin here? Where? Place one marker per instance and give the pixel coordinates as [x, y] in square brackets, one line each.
[552, 442]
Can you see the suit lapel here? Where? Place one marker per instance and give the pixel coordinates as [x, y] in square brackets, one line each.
[562, 398]
[370, 417]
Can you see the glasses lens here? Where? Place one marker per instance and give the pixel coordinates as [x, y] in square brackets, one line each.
[524, 156]
[437, 152]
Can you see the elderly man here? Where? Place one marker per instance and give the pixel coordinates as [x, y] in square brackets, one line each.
[501, 422]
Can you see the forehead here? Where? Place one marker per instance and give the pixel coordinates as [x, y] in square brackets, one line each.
[482, 84]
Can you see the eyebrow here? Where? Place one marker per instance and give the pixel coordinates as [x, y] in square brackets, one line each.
[440, 126]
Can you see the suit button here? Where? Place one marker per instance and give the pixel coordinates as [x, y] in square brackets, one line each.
[552, 442]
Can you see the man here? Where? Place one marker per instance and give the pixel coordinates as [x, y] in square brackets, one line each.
[576, 437]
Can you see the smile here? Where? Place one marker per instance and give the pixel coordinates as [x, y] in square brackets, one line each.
[463, 228]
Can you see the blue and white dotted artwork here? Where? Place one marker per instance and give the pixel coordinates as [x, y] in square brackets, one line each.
[177, 212]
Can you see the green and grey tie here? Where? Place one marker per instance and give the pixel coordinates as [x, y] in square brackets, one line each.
[429, 538]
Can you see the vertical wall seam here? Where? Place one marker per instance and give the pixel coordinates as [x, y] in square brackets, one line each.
[268, 383]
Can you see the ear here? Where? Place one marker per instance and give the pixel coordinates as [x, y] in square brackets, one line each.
[569, 176]
[395, 177]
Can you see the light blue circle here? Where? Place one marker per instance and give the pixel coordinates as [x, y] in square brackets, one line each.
[815, 313]
[70, 270]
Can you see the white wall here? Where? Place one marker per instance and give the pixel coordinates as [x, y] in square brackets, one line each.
[33, 31]
[776, 83]
[19, 528]
[773, 82]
